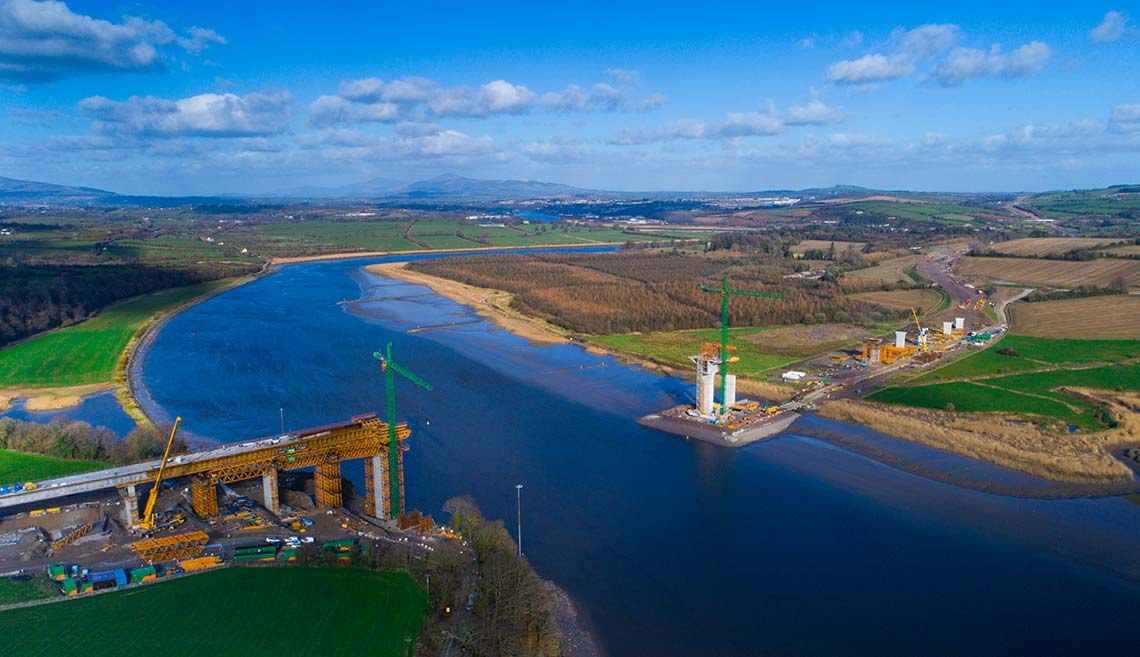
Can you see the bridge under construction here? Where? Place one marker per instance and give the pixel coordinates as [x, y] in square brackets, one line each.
[322, 448]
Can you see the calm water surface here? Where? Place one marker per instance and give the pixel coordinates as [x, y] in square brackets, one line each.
[789, 547]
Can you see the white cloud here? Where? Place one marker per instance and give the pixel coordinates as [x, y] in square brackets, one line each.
[870, 68]
[965, 63]
[1113, 28]
[734, 124]
[204, 115]
[556, 151]
[926, 41]
[199, 37]
[42, 41]
[816, 112]
[336, 144]
[806, 42]
[929, 42]
[373, 99]
[1126, 118]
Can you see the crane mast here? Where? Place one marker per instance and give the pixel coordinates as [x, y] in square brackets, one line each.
[147, 520]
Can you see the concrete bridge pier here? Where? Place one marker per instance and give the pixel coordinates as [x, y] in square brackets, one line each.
[375, 482]
[130, 505]
[270, 491]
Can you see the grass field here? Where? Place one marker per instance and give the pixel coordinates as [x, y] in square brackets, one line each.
[87, 352]
[1131, 250]
[1051, 273]
[925, 300]
[987, 381]
[18, 467]
[1044, 246]
[942, 213]
[25, 589]
[1097, 318]
[824, 245]
[759, 349]
[234, 612]
[891, 271]
[675, 347]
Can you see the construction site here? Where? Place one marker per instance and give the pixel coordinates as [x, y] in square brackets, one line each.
[733, 422]
[263, 499]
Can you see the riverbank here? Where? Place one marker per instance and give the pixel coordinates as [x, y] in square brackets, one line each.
[576, 636]
[494, 305]
[349, 255]
[50, 399]
[1072, 459]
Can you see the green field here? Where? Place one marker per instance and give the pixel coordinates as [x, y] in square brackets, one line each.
[87, 352]
[24, 589]
[942, 213]
[675, 347]
[17, 467]
[988, 381]
[234, 612]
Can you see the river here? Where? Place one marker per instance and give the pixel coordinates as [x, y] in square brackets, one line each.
[787, 547]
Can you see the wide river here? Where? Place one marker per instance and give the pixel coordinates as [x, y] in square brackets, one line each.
[786, 547]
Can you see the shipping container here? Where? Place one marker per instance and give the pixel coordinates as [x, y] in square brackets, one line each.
[57, 571]
[102, 576]
[143, 574]
[121, 578]
[340, 545]
[289, 554]
[70, 586]
[104, 584]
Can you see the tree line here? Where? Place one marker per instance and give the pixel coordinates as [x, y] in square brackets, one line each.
[40, 298]
[69, 439]
[624, 293]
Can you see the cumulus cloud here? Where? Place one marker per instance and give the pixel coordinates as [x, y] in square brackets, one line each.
[1113, 27]
[816, 112]
[870, 68]
[374, 99]
[929, 43]
[425, 144]
[204, 115]
[42, 41]
[965, 63]
[734, 124]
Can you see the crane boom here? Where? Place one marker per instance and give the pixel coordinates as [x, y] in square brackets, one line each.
[147, 520]
[390, 368]
[920, 336]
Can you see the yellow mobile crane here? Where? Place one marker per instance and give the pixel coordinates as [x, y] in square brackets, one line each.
[146, 522]
[921, 336]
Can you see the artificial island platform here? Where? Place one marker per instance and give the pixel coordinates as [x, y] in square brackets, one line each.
[746, 427]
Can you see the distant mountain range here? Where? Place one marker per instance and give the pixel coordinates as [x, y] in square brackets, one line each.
[444, 188]
[26, 190]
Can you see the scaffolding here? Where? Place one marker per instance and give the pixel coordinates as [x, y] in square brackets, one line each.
[73, 536]
[327, 486]
[169, 548]
[204, 496]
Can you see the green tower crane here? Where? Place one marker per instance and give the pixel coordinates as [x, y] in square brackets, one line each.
[390, 367]
[724, 293]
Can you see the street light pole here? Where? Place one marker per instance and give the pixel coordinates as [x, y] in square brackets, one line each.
[282, 421]
[518, 492]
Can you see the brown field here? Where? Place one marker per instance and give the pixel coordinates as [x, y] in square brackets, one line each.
[1131, 250]
[823, 245]
[1046, 246]
[1094, 318]
[889, 271]
[903, 299]
[1051, 273]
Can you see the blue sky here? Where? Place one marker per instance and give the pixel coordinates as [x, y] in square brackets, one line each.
[222, 97]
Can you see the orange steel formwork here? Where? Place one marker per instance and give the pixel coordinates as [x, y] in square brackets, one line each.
[75, 534]
[323, 448]
[169, 548]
